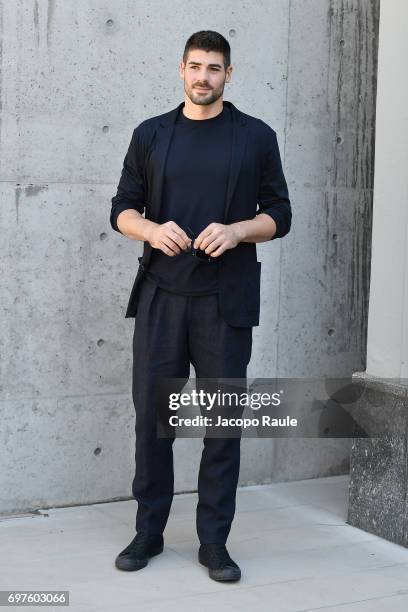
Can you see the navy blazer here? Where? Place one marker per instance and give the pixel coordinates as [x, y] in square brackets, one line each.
[255, 179]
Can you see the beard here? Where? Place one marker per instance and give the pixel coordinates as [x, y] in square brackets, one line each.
[204, 99]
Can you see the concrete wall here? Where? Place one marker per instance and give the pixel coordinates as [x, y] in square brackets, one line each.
[77, 77]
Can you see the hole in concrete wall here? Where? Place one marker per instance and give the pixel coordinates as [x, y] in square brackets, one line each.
[97, 451]
[331, 331]
[232, 33]
[105, 129]
[103, 236]
[100, 342]
[339, 140]
[109, 23]
[334, 236]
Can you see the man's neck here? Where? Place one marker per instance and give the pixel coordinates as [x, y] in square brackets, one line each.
[202, 111]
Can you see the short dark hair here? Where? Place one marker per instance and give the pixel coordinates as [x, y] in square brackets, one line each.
[208, 40]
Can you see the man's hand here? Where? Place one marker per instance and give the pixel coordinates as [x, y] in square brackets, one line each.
[217, 238]
[168, 237]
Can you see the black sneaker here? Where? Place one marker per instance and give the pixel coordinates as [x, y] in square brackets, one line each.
[135, 556]
[220, 565]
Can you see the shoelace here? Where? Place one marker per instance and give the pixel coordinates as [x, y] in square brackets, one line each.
[138, 543]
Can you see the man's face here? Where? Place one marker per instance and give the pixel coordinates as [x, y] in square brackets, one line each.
[204, 76]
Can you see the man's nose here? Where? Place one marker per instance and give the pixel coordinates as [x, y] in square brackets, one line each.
[202, 76]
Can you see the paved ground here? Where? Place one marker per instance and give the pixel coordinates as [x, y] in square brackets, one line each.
[290, 539]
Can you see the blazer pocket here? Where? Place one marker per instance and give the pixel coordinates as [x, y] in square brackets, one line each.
[253, 289]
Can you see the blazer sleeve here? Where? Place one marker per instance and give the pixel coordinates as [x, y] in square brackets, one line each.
[131, 190]
[273, 197]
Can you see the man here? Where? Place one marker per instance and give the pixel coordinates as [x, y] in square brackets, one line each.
[197, 173]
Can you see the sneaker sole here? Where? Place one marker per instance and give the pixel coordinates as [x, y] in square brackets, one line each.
[233, 579]
[155, 552]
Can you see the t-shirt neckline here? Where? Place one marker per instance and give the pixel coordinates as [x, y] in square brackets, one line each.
[203, 121]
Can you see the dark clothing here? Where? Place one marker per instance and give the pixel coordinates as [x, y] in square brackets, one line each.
[236, 169]
[255, 178]
[194, 191]
[170, 332]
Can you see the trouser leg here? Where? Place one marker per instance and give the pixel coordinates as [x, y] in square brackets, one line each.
[159, 350]
[217, 350]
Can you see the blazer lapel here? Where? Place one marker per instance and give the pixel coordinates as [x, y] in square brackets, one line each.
[239, 138]
[164, 136]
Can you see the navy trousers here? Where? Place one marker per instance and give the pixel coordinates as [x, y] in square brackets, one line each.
[171, 331]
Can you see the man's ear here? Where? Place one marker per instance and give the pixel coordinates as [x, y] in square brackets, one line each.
[181, 70]
[228, 73]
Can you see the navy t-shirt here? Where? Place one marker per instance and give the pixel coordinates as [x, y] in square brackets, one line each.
[194, 192]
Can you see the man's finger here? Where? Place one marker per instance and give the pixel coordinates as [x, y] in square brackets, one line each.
[212, 243]
[177, 237]
[181, 233]
[209, 239]
[202, 235]
[171, 244]
[218, 251]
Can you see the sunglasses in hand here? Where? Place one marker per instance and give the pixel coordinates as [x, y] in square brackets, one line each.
[200, 254]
